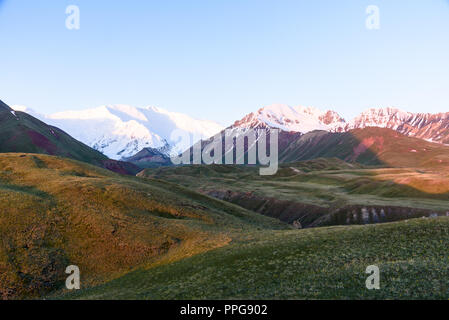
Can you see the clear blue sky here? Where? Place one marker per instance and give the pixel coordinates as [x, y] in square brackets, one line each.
[221, 59]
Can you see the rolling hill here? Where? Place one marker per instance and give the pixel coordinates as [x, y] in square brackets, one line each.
[321, 192]
[323, 263]
[57, 212]
[151, 239]
[221, 232]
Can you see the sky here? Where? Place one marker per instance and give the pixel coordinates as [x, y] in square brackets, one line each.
[222, 59]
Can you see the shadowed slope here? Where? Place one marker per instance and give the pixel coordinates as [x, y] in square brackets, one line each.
[20, 132]
[373, 146]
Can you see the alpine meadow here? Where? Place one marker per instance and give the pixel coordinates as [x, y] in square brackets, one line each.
[211, 159]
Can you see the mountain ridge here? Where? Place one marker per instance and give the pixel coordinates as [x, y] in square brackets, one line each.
[433, 127]
[121, 131]
[20, 132]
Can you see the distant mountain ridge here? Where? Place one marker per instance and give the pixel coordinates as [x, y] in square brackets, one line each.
[431, 127]
[142, 135]
[287, 118]
[428, 126]
[149, 157]
[122, 131]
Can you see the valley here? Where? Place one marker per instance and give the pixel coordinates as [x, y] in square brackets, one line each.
[57, 212]
[340, 201]
[212, 157]
[321, 192]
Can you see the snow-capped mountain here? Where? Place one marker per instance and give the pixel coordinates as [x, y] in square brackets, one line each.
[431, 127]
[383, 117]
[121, 131]
[294, 119]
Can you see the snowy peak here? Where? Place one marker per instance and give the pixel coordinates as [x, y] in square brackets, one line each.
[331, 118]
[121, 131]
[431, 127]
[382, 117]
[287, 118]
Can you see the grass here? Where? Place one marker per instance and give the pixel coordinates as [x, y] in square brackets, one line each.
[321, 191]
[323, 263]
[152, 238]
[55, 212]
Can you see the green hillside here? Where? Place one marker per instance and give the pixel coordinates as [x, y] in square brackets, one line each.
[56, 212]
[322, 263]
[137, 238]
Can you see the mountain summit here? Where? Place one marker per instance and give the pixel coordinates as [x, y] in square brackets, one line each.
[431, 127]
[287, 118]
[121, 131]
[427, 126]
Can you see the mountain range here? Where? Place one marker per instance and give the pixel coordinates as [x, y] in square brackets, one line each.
[291, 119]
[143, 135]
[121, 131]
[131, 236]
[431, 127]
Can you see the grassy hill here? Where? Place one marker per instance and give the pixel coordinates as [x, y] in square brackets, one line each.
[135, 238]
[322, 263]
[20, 132]
[321, 191]
[56, 212]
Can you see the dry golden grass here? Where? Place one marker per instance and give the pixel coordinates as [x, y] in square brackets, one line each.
[425, 180]
[56, 212]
